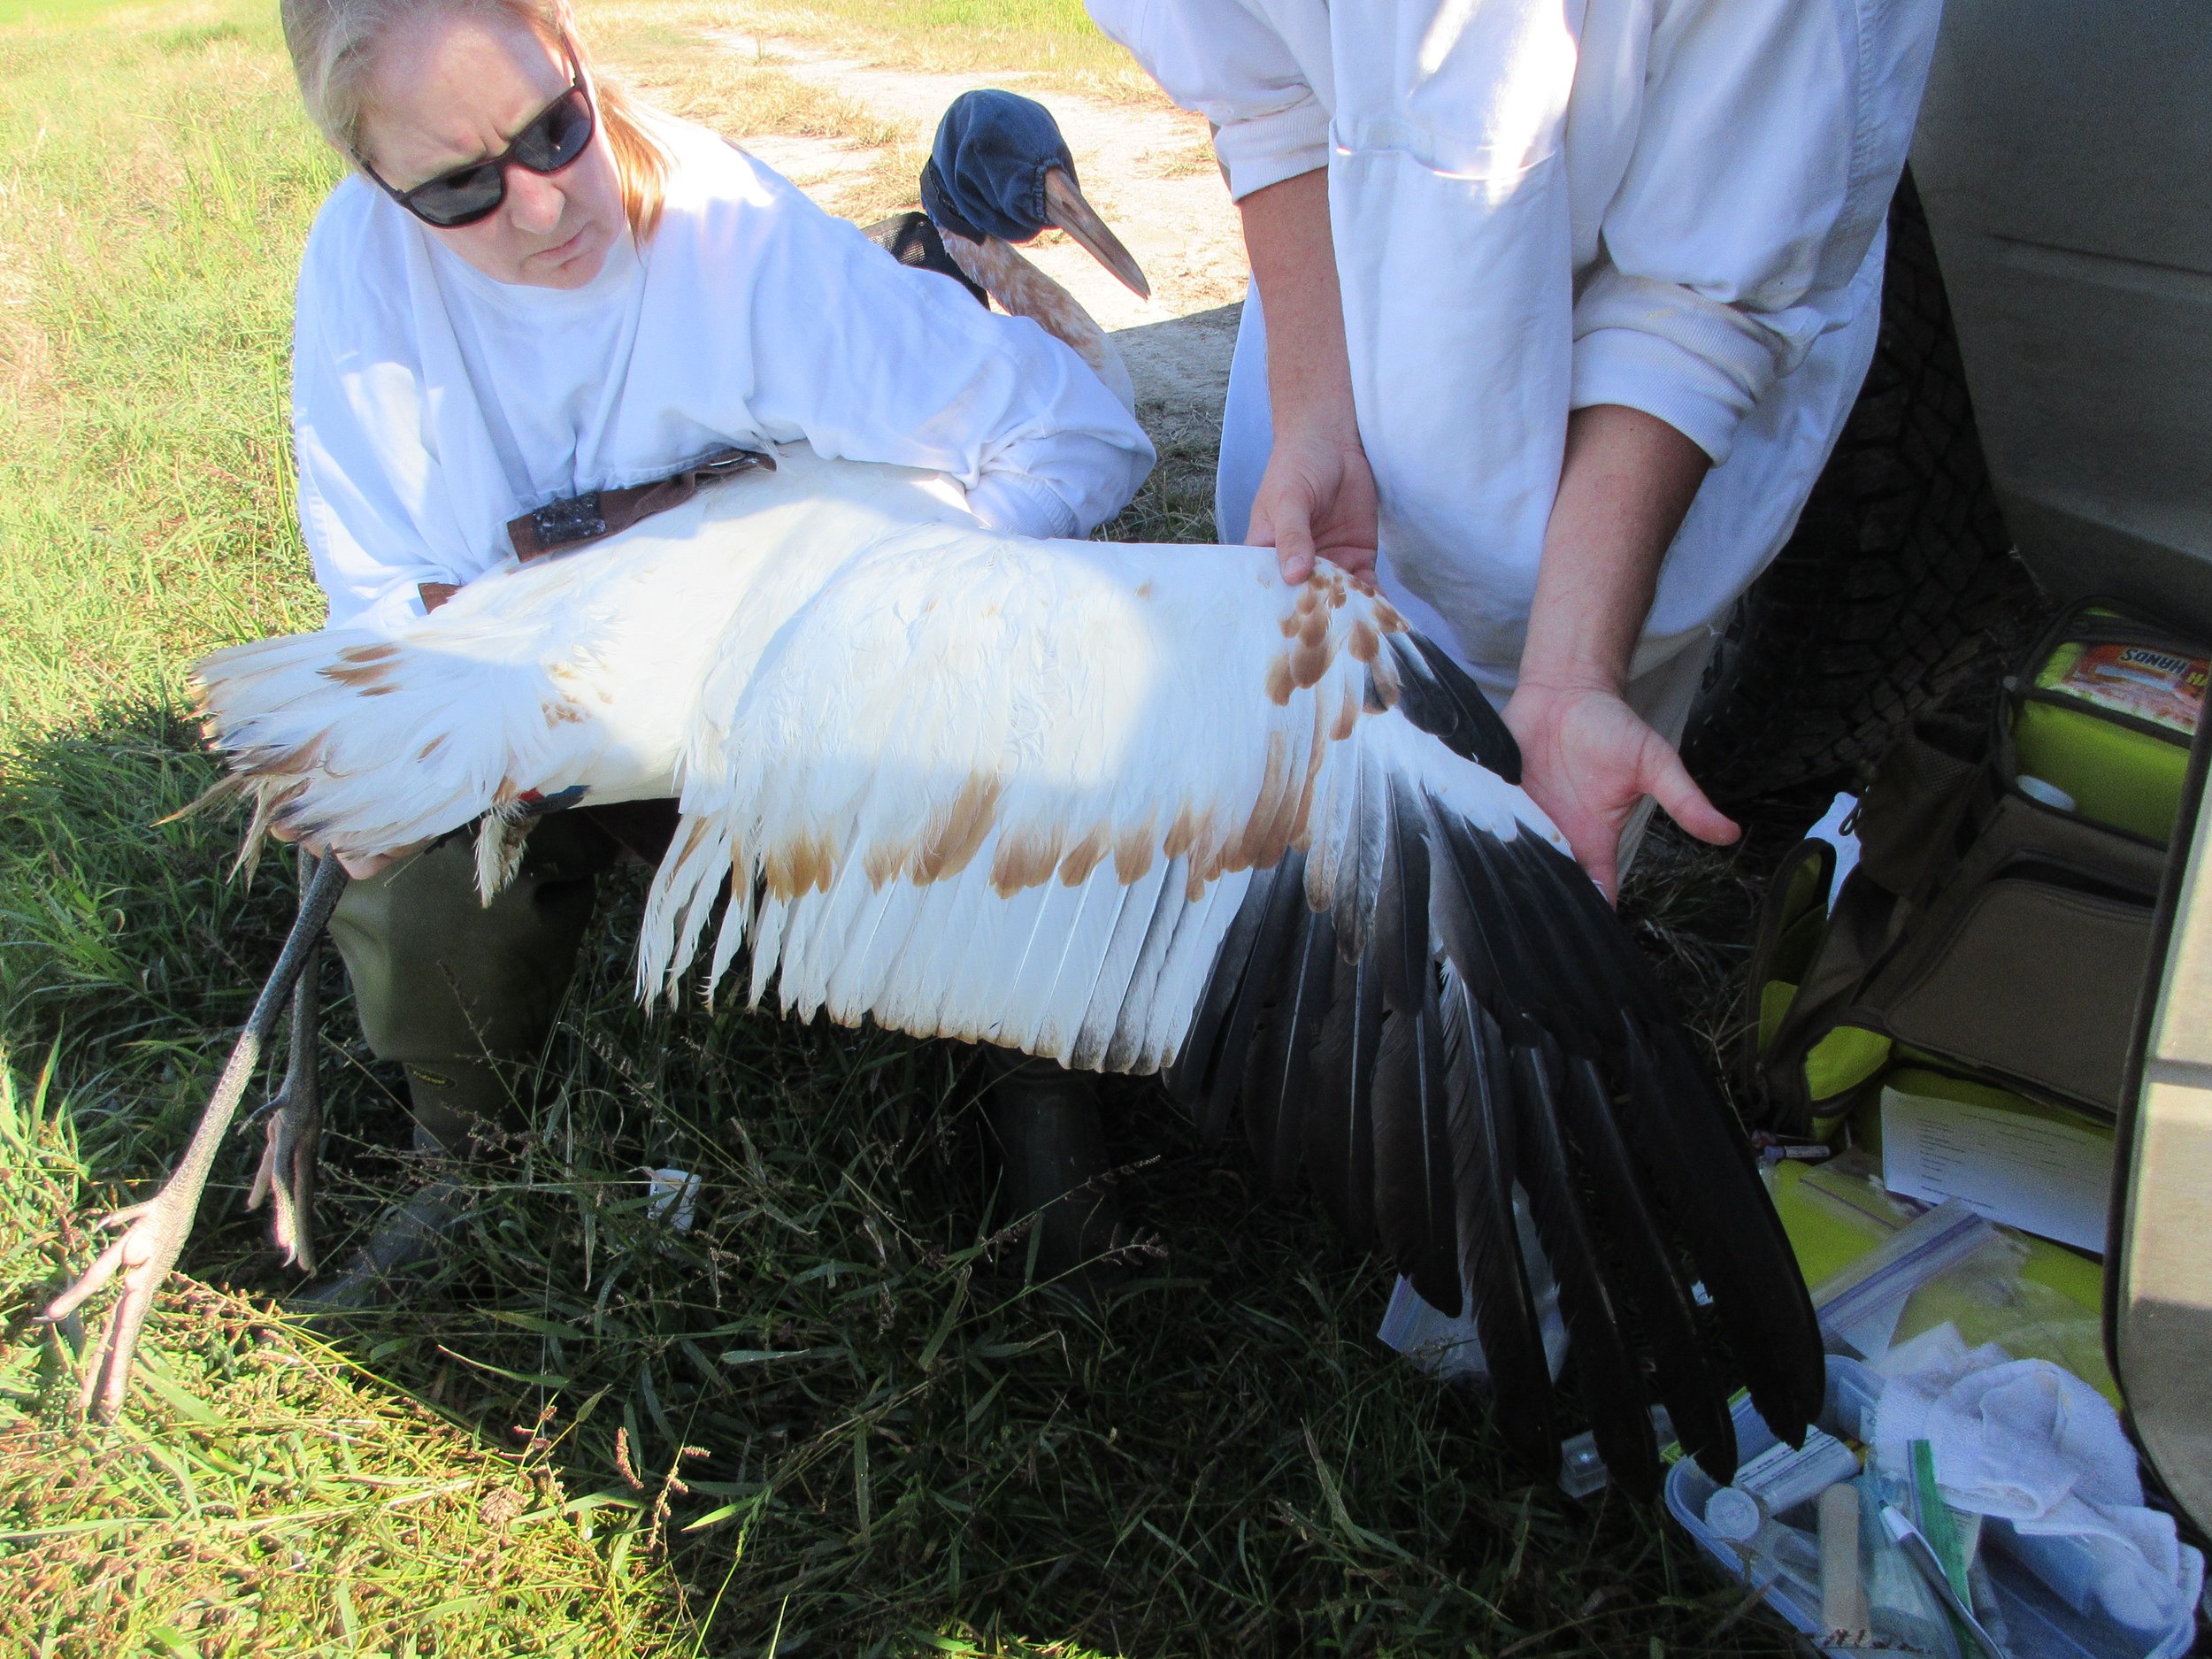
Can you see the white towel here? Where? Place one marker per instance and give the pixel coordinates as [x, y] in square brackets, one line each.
[2031, 1443]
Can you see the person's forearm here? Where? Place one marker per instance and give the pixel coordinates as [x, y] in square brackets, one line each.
[1627, 482]
[1309, 378]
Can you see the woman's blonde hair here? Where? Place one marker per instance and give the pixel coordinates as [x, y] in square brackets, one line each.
[332, 41]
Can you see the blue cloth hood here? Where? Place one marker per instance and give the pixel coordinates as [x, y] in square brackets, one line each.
[985, 172]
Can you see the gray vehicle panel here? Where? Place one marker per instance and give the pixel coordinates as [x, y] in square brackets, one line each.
[2063, 158]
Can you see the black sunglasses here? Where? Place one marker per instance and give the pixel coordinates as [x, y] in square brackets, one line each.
[550, 141]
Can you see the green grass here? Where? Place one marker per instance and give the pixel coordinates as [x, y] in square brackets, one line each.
[159, 183]
[48, 13]
[264, 1496]
[903, 1451]
[1053, 41]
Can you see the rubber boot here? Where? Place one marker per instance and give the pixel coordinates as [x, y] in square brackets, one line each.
[1050, 1148]
[408, 1238]
[443, 983]
[466, 1111]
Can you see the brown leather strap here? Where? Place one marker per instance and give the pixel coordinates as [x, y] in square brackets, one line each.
[600, 513]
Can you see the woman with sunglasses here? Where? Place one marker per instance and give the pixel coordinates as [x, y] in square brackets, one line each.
[532, 288]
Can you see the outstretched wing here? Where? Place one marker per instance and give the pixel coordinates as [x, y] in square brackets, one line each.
[1144, 808]
[570, 679]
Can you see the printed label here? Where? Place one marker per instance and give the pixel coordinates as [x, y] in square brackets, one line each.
[2160, 687]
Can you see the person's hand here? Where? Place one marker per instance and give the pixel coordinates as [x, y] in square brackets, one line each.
[1588, 758]
[360, 867]
[1316, 499]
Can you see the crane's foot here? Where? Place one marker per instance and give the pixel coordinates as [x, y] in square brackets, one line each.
[408, 1236]
[154, 1231]
[139, 1260]
[286, 1178]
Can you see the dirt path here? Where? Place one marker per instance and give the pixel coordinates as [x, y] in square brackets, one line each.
[1150, 173]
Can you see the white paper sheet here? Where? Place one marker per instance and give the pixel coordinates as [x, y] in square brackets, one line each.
[2045, 1178]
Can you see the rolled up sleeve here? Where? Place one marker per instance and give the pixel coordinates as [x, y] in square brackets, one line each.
[1771, 136]
[869, 360]
[1214, 58]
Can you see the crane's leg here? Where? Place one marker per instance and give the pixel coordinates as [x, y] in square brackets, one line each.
[154, 1231]
[286, 1178]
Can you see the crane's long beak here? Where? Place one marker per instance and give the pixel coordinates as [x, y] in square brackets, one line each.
[1072, 214]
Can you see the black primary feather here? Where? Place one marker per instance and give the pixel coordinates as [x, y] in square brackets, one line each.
[1585, 927]
[1281, 1077]
[1339, 1135]
[1414, 1119]
[1193, 1065]
[1282, 892]
[1490, 1264]
[1533, 978]
[1692, 1141]
[1685, 1138]
[1688, 1140]
[1642, 1260]
[1612, 1387]
[1456, 918]
[1439, 697]
[1401, 941]
[1415, 1213]
[1547, 895]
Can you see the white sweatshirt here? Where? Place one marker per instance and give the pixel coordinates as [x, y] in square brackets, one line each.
[1672, 205]
[431, 404]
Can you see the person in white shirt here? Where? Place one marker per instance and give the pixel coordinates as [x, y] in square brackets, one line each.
[1565, 305]
[529, 289]
[1557, 310]
[445, 380]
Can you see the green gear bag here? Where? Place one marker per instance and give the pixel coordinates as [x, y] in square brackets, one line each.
[1998, 922]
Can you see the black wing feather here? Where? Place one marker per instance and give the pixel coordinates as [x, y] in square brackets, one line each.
[1605, 1365]
[1282, 1075]
[1691, 1141]
[1490, 1264]
[1187, 1078]
[1414, 1209]
[1640, 1257]
[1541, 976]
[1438, 696]
[1282, 895]
[1583, 928]
[1401, 917]
[1340, 1151]
[1467, 1015]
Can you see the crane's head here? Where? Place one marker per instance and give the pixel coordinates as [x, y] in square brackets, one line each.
[999, 167]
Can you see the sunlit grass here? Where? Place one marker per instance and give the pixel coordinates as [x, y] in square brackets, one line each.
[46, 14]
[1054, 41]
[159, 182]
[904, 1451]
